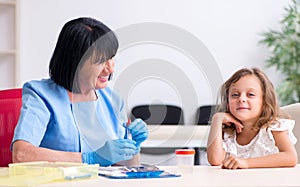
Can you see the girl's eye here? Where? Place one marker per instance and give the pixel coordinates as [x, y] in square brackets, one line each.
[251, 94]
[234, 95]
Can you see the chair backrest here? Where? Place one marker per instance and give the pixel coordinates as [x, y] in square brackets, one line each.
[158, 114]
[10, 105]
[294, 111]
[204, 114]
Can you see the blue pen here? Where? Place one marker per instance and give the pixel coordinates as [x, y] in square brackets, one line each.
[126, 129]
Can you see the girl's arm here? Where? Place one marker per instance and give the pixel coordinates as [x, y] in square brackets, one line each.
[215, 152]
[287, 156]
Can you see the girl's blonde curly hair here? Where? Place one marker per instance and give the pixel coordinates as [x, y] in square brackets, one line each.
[270, 109]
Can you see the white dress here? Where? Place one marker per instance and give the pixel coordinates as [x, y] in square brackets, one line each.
[262, 144]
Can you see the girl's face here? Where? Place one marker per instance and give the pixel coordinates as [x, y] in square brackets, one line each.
[95, 76]
[245, 99]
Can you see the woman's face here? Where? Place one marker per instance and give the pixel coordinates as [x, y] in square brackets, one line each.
[245, 99]
[95, 75]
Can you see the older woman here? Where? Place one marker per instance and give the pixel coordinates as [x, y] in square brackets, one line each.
[73, 116]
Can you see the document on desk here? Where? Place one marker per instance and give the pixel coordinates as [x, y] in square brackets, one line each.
[136, 172]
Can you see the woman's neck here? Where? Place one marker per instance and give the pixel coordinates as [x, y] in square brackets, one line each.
[82, 97]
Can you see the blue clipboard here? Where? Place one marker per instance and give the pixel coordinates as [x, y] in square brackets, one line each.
[139, 172]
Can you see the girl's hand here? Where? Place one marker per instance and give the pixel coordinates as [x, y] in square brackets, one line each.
[229, 120]
[232, 162]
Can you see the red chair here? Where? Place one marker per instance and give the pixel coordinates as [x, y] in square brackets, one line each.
[10, 105]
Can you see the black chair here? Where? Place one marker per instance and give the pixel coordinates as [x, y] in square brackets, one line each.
[204, 115]
[158, 115]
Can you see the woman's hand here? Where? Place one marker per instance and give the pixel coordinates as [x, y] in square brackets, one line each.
[111, 152]
[139, 131]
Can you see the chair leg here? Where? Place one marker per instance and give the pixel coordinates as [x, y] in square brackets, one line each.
[197, 156]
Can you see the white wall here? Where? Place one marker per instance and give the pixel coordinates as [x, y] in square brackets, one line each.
[192, 45]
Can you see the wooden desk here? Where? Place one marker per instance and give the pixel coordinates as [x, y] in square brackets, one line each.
[177, 136]
[203, 176]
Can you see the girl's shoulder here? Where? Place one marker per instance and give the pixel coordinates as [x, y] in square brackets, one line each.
[284, 125]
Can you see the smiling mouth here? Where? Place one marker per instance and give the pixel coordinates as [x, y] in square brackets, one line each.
[103, 78]
[243, 108]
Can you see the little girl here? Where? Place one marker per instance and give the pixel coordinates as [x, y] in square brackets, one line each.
[249, 130]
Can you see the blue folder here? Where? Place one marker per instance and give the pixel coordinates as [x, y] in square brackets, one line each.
[140, 172]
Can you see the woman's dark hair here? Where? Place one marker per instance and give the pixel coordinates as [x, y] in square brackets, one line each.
[80, 40]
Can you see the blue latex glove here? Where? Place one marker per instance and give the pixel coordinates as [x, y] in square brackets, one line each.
[112, 152]
[139, 131]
